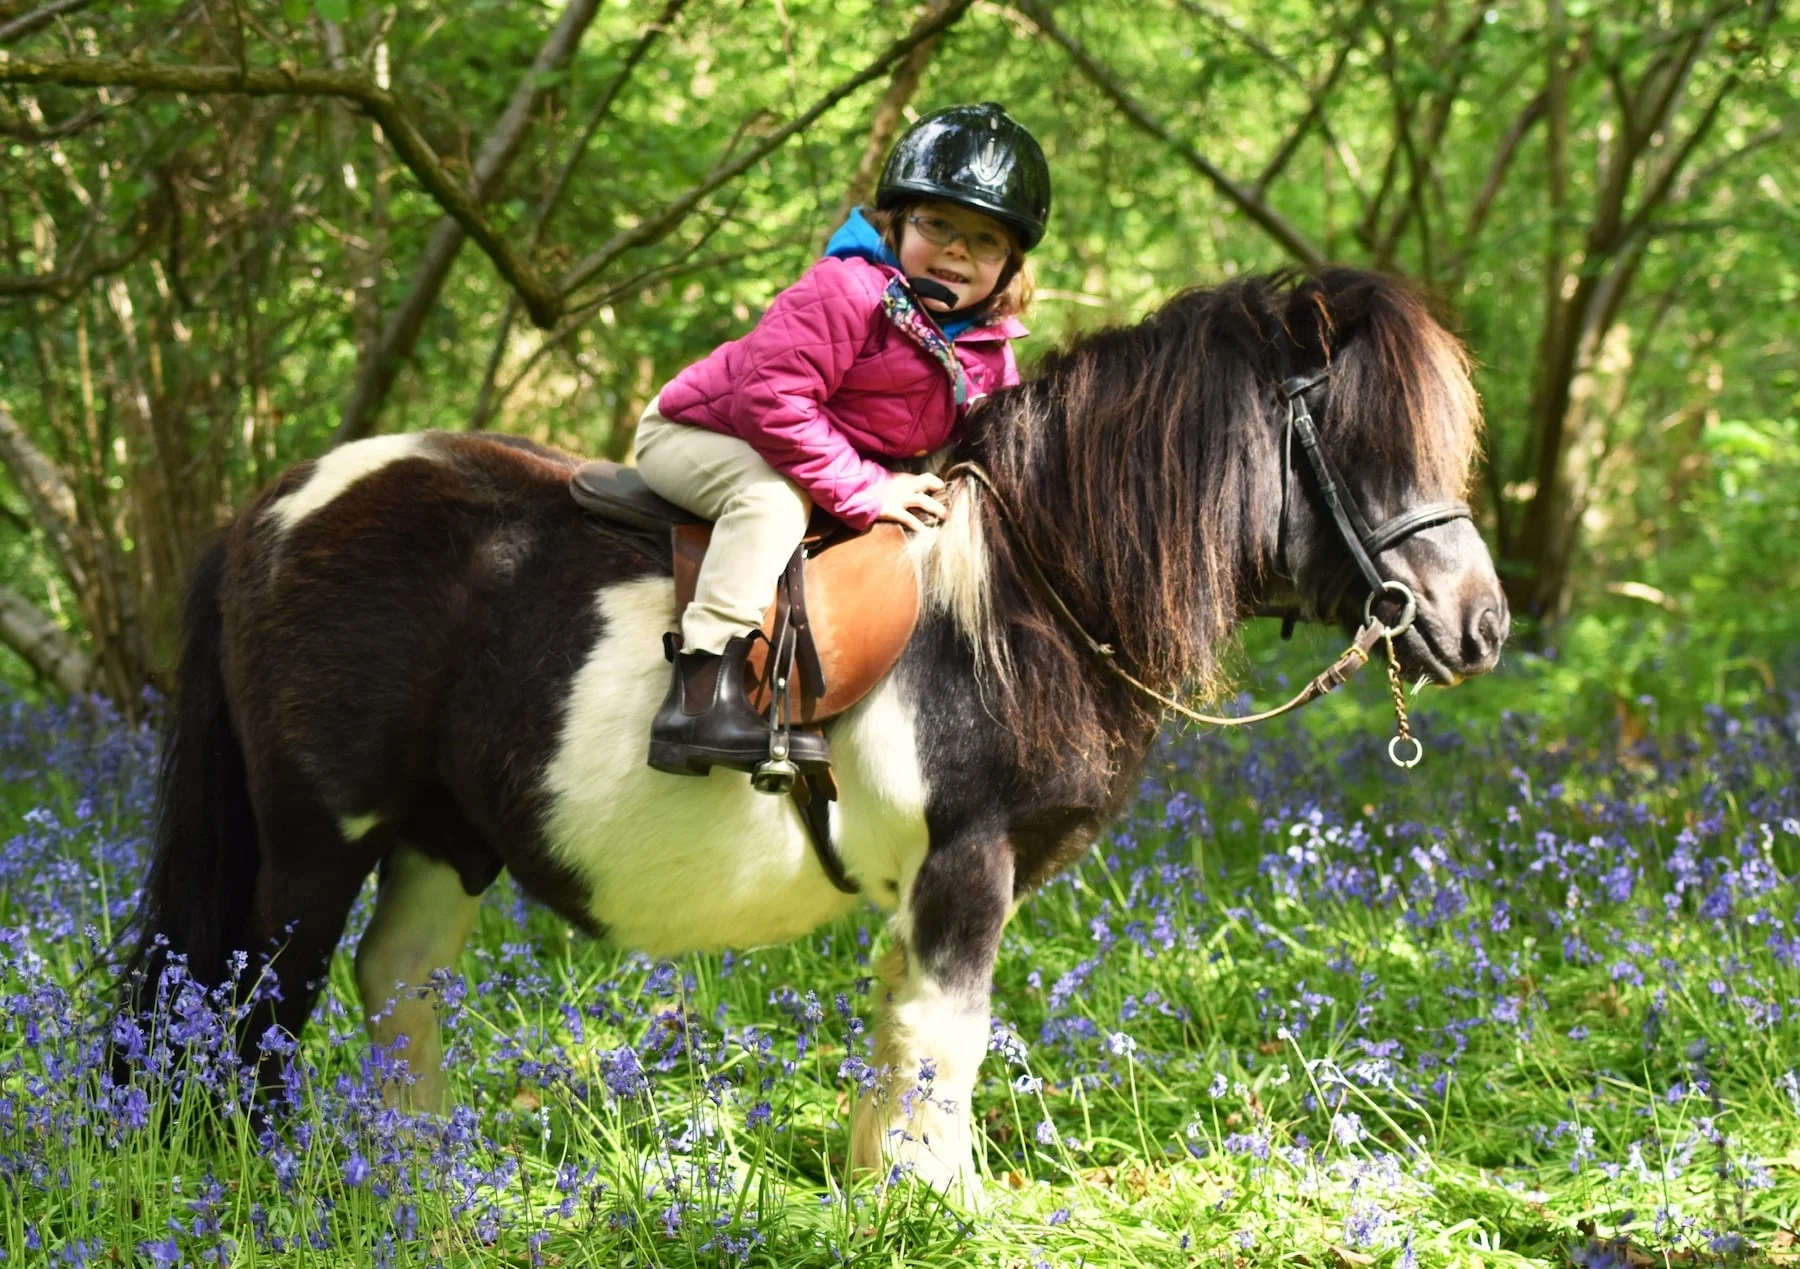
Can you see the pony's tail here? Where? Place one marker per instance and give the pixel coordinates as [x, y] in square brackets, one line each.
[196, 900]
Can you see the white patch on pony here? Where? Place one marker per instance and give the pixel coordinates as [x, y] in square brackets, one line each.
[422, 919]
[356, 827]
[675, 863]
[928, 1048]
[879, 820]
[342, 467]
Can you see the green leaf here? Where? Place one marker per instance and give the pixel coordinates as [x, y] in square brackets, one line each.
[333, 10]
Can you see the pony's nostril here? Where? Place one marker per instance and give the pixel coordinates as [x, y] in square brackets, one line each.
[1484, 634]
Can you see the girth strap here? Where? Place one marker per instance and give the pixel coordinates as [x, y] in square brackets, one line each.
[814, 792]
[793, 653]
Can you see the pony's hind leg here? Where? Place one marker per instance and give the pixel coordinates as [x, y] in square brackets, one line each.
[933, 1029]
[423, 917]
[307, 880]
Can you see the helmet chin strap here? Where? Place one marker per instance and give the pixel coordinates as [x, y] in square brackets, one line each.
[931, 289]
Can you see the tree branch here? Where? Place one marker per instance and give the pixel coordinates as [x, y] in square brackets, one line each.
[602, 108]
[1664, 82]
[1226, 22]
[1315, 111]
[1664, 180]
[1313, 118]
[65, 284]
[1271, 221]
[579, 317]
[1421, 160]
[45, 646]
[49, 497]
[82, 119]
[659, 225]
[20, 27]
[400, 333]
[541, 301]
[1490, 187]
[1704, 177]
[886, 122]
[1404, 153]
[652, 31]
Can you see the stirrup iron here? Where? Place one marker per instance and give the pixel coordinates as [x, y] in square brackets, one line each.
[776, 774]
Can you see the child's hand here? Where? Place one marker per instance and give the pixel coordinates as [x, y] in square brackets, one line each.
[907, 493]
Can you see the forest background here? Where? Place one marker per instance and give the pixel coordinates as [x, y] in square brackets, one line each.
[238, 233]
[1535, 1003]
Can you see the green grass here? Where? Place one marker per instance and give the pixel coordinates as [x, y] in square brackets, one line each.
[1540, 1070]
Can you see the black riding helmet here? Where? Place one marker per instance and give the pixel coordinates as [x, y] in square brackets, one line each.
[977, 157]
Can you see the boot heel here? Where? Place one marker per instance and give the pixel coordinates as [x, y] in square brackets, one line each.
[677, 759]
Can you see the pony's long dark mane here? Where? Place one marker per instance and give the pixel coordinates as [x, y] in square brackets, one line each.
[1143, 464]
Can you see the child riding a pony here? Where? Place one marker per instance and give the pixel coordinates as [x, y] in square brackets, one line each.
[876, 353]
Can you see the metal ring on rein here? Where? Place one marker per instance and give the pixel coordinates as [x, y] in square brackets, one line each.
[1418, 752]
[1409, 607]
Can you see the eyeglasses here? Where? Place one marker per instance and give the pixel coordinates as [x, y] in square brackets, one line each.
[985, 245]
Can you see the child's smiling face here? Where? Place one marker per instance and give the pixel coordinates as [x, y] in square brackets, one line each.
[968, 265]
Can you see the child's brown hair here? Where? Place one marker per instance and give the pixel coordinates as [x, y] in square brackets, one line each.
[1018, 284]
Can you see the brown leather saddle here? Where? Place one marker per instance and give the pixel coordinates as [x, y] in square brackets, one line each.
[844, 610]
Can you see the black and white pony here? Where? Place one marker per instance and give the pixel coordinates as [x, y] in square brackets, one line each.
[417, 655]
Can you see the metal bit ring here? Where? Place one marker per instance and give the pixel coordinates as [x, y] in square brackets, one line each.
[1418, 751]
[1409, 606]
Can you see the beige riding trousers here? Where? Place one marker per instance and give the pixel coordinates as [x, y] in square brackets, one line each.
[758, 515]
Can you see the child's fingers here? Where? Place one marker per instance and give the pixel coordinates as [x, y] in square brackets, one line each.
[906, 519]
[929, 505]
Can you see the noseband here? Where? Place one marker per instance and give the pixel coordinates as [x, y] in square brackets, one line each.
[1364, 543]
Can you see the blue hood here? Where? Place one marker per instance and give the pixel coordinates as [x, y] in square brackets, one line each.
[859, 239]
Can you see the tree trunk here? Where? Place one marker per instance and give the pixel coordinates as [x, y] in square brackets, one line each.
[45, 646]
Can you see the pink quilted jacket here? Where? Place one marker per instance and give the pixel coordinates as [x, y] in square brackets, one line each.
[841, 368]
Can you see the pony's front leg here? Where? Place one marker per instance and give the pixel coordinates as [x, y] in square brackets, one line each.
[933, 1029]
[423, 916]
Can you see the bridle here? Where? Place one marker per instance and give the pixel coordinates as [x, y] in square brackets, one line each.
[1365, 545]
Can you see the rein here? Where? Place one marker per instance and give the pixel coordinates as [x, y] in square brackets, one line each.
[1364, 544]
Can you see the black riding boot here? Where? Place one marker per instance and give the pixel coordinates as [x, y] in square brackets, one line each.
[706, 720]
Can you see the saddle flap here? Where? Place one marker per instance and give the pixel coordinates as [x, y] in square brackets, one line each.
[861, 604]
[616, 492]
